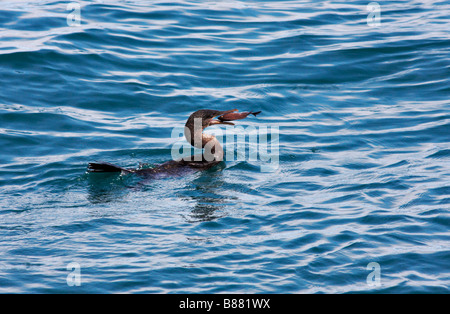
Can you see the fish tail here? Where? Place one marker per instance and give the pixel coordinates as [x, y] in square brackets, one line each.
[255, 113]
[105, 167]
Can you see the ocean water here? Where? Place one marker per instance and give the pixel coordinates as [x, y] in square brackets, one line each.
[357, 202]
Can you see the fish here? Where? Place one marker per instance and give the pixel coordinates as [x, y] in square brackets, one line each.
[231, 116]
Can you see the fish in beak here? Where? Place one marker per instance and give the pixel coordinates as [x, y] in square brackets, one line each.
[219, 114]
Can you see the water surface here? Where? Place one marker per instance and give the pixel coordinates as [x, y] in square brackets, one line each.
[363, 175]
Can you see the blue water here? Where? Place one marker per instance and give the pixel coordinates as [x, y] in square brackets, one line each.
[363, 113]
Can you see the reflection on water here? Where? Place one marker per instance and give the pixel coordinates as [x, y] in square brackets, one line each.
[106, 187]
[203, 189]
[205, 192]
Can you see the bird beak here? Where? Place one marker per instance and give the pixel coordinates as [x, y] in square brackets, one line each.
[221, 113]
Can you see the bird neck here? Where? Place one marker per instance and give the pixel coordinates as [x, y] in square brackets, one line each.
[213, 149]
[196, 137]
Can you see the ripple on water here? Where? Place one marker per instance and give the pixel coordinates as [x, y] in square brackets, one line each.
[363, 163]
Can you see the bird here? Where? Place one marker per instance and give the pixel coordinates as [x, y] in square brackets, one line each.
[193, 132]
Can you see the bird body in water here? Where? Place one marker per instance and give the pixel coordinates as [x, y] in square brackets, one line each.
[193, 132]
